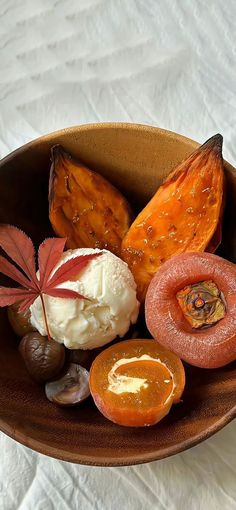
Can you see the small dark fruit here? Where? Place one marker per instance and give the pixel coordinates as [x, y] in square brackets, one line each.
[43, 358]
[20, 321]
[71, 389]
[82, 357]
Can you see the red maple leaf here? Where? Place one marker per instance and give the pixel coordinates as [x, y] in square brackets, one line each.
[19, 247]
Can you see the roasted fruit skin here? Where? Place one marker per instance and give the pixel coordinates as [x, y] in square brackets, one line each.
[209, 347]
[84, 206]
[184, 215]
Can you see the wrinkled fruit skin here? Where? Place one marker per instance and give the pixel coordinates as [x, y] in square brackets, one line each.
[20, 321]
[84, 207]
[183, 216]
[210, 347]
[43, 358]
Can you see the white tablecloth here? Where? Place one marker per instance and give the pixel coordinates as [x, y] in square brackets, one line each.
[169, 63]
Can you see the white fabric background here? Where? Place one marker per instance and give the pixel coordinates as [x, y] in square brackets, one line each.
[169, 63]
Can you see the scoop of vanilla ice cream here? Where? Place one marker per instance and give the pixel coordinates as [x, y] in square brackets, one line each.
[82, 324]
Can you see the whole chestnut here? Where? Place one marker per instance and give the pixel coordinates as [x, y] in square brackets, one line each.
[43, 358]
[83, 357]
[20, 321]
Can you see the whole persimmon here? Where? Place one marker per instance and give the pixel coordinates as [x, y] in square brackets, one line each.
[190, 308]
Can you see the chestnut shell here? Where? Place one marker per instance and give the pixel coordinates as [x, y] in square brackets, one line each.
[71, 389]
[20, 321]
[43, 358]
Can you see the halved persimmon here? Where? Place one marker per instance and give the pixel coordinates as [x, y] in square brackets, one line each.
[190, 308]
[135, 382]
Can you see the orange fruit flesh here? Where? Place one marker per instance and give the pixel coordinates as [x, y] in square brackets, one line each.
[156, 375]
[138, 392]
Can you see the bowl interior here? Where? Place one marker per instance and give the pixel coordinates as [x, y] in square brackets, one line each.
[135, 159]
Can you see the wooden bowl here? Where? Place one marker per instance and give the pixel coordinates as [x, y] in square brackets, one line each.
[135, 158]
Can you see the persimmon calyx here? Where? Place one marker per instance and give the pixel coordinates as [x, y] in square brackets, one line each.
[202, 304]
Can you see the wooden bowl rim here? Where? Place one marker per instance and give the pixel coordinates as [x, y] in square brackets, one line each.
[134, 459]
[97, 126]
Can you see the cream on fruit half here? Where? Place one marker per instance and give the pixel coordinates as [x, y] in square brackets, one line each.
[119, 383]
[111, 309]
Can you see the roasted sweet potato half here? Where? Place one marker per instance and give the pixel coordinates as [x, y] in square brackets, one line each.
[184, 215]
[85, 207]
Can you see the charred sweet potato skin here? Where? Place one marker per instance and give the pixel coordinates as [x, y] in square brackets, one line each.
[84, 206]
[184, 215]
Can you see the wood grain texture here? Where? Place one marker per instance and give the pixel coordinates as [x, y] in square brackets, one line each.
[135, 159]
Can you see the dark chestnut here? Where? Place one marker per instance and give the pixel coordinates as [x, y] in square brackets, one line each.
[43, 358]
[71, 389]
[20, 321]
[83, 357]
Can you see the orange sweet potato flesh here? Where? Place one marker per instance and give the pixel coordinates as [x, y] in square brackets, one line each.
[184, 215]
[84, 206]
